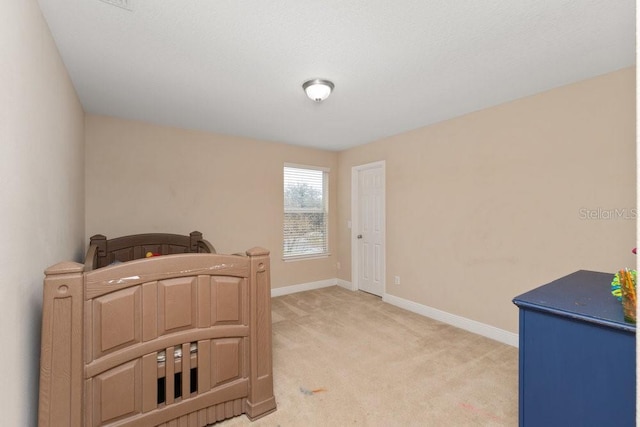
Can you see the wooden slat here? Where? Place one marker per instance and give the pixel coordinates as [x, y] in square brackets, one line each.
[211, 414]
[204, 366]
[88, 330]
[228, 409]
[202, 417]
[204, 301]
[149, 311]
[169, 378]
[149, 382]
[186, 371]
[193, 419]
[220, 412]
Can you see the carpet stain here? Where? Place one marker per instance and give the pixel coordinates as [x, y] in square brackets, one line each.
[308, 392]
[481, 412]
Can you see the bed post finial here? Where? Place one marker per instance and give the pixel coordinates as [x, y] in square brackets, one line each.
[195, 237]
[200, 245]
[98, 241]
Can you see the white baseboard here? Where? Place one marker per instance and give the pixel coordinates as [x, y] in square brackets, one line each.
[483, 329]
[286, 290]
[344, 284]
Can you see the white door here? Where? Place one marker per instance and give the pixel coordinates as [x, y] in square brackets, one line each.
[368, 227]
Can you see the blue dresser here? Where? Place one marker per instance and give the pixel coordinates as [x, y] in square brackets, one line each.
[577, 355]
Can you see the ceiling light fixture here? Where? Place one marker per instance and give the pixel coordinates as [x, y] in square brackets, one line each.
[317, 89]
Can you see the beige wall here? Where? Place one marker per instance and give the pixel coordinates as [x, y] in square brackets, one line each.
[145, 178]
[486, 206]
[479, 209]
[42, 193]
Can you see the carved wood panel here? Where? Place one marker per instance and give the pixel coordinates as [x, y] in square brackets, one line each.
[116, 321]
[117, 393]
[227, 301]
[226, 360]
[177, 300]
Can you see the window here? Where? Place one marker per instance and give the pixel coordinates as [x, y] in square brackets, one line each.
[305, 211]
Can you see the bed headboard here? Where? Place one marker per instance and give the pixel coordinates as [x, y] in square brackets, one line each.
[103, 252]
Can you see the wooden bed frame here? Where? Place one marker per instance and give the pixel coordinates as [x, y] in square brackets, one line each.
[177, 340]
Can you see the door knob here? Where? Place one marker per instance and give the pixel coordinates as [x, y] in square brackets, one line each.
[359, 236]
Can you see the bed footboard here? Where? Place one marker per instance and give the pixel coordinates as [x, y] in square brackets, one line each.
[182, 339]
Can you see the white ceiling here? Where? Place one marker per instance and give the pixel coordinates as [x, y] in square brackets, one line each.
[236, 67]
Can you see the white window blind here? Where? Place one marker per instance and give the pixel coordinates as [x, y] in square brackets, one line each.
[305, 212]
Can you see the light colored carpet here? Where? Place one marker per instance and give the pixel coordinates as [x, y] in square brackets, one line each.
[347, 358]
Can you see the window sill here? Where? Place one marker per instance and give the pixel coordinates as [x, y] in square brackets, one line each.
[305, 257]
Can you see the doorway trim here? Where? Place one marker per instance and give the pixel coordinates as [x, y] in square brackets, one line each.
[355, 211]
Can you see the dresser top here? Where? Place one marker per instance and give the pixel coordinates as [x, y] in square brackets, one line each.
[584, 295]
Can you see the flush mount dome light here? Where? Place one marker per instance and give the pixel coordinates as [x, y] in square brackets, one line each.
[317, 89]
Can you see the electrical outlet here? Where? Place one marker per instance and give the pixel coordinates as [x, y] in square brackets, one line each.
[396, 280]
[338, 265]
